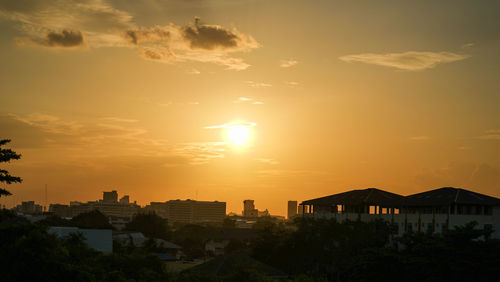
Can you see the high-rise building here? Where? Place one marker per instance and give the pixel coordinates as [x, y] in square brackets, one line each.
[292, 209]
[110, 197]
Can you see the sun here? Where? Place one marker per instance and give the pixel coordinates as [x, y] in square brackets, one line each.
[238, 135]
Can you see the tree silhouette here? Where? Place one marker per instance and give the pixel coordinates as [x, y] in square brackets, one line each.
[5, 156]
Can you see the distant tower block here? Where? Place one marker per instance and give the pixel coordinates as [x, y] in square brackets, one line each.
[110, 197]
[249, 209]
[292, 209]
[125, 199]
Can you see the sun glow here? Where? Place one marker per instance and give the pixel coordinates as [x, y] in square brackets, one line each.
[238, 135]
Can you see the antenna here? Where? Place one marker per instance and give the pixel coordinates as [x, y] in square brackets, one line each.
[45, 198]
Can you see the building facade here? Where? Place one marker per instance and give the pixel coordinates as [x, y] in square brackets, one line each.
[292, 209]
[109, 206]
[431, 211]
[189, 211]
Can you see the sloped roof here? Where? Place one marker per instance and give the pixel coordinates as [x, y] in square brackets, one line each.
[358, 197]
[450, 195]
[225, 265]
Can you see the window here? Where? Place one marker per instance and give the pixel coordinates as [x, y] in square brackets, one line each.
[488, 210]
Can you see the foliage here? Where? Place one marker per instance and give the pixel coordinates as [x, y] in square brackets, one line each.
[6, 155]
[30, 253]
[92, 219]
[192, 238]
[229, 223]
[149, 224]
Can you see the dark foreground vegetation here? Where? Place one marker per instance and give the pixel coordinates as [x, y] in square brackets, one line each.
[306, 250]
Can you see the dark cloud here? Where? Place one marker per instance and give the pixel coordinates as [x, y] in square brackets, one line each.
[65, 38]
[210, 37]
[54, 39]
[154, 34]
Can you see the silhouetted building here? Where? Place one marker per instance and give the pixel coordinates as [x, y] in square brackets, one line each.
[125, 200]
[109, 206]
[110, 197]
[249, 210]
[28, 207]
[432, 211]
[189, 211]
[60, 210]
[292, 209]
[97, 239]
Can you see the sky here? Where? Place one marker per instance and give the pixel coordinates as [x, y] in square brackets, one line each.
[270, 100]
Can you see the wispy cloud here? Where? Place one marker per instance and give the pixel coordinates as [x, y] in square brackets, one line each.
[247, 100]
[291, 83]
[117, 119]
[234, 124]
[257, 84]
[468, 45]
[420, 138]
[288, 63]
[199, 153]
[492, 134]
[267, 161]
[410, 61]
[112, 139]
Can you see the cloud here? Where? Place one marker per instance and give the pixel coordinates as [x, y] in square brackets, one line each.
[288, 63]
[64, 22]
[234, 124]
[117, 119]
[468, 45]
[193, 71]
[267, 161]
[291, 83]
[75, 140]
[247, 100]
[257, 84]
[53, 39]
[420, 138]
[141, 35]
[411, 60]
[493, 134]
[199, 153]
[194, 42]
[210, 37]
[95, 23]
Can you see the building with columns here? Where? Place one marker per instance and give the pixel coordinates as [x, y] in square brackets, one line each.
[435, 210]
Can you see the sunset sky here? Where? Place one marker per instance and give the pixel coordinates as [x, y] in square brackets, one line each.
[249, 99]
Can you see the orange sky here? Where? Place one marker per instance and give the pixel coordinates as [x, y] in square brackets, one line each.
[137, 96]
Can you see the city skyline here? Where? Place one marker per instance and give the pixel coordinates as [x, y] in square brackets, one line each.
[264, 100]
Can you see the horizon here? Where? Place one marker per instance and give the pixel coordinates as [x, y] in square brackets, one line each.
[264, 100]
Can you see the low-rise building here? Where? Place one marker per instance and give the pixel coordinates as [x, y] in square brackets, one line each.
[97, 239]
[28, 207]
[189, 211]
[109, 206]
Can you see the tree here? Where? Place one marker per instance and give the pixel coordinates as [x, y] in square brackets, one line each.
[149, 224]
[92, 220]
[6, 155]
